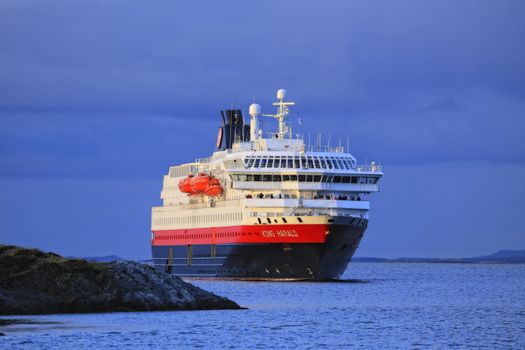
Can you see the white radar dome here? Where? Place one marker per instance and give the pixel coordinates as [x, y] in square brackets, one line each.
[281, 94]
[255, 110]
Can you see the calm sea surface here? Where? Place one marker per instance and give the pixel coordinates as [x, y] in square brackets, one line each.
[382, 306]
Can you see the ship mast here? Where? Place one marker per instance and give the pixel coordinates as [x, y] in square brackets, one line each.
[282, 113]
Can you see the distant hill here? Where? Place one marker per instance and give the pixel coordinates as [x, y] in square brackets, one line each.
[508, 256]
[501, 257]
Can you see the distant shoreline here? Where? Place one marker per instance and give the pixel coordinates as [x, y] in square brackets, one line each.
[430, 261]
[501, 257]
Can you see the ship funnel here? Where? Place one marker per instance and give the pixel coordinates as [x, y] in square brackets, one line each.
[232, 129]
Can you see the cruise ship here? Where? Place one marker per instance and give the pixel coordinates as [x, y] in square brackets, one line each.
[264, 206]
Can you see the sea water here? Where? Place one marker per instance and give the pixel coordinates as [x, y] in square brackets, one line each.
[376, 306]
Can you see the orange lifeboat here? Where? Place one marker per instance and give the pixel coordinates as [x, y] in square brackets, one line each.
[214, 188]
[185, 184]
[201, 184]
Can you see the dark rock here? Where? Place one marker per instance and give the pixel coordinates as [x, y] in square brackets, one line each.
[33, 282]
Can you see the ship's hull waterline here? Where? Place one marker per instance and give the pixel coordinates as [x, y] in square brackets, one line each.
[317, 252]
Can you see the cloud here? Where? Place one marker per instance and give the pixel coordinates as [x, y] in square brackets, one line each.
[97, 87]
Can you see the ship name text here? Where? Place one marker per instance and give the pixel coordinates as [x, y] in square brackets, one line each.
[280, 233]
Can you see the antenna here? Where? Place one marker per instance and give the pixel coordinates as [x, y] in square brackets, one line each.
[282, 113]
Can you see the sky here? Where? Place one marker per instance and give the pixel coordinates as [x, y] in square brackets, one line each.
[99, 98]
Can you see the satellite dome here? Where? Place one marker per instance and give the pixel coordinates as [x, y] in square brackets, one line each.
[281, 94]
[255, 110]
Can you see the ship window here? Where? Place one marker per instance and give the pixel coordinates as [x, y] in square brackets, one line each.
[286, 177]
[269, 221]
[257, 177]
[309, 178]
[337, 179]
[316, 162]
[310, 162]
[267, 177]
[353, 180]
[299, 219]
[303, 162]
[293, 177]
[263, 162]
[276, 178]
[301, 178]
[317, 178]
[323, 163]
[297, 162]
[329, 178]
[345, 179]
[257, 162]
[335, 162]
[269, 163]
[249, 177]
[250, 162]
[290, 162]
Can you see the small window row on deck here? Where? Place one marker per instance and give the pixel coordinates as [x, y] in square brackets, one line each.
[303, 162]
[204, 235]
[195, 219]
[306, 178]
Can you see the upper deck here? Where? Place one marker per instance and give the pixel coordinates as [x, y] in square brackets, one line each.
[275, 163]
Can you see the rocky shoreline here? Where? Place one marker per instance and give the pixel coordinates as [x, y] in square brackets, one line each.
[34, 282]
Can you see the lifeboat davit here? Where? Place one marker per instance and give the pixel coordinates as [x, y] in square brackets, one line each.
[201, 184]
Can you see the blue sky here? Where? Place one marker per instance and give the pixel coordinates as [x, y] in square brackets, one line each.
[98, 98]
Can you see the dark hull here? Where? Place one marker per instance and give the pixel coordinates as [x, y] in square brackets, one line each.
[316, 261]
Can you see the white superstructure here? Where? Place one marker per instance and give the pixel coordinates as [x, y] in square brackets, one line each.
[265, 179]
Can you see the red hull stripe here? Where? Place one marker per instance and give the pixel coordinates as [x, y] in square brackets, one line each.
[306, 233]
